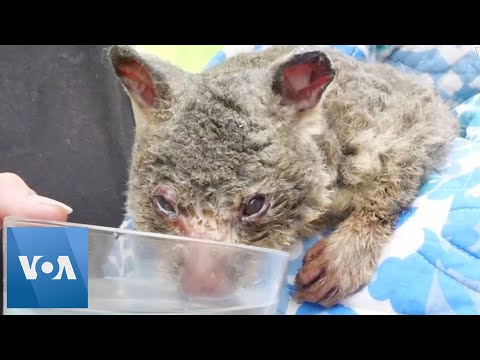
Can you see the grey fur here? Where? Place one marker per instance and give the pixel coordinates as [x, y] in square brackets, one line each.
[355, 160]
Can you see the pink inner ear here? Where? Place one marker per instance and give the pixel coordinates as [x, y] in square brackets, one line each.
[305, 83]
[138, 81]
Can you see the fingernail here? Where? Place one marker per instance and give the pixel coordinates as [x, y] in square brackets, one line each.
[47, 201]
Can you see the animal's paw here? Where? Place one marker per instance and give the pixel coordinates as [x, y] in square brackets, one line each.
[330, 273]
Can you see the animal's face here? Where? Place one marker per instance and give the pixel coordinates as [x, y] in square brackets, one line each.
[221, 155]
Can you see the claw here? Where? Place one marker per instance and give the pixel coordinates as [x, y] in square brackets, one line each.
[314, 252]
[309, 275]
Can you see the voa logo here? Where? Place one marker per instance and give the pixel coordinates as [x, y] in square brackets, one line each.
[64, 266]
[47, 267]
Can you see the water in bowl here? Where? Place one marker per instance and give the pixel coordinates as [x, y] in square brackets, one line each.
[155, 296]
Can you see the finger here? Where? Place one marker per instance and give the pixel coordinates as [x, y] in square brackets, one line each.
[12, 182]
[43, 208]
[38, 208]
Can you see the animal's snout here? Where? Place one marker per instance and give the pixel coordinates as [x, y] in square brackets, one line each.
[204, 271]
[209, 284]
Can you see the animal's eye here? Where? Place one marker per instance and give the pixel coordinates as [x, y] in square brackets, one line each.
[255, 206]
[163, 205]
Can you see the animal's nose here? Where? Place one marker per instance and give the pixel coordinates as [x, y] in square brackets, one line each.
[203, 271]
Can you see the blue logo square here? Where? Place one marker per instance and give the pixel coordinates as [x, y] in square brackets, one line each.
[47, 267]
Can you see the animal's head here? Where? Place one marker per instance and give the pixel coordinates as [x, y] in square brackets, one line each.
[228, 154]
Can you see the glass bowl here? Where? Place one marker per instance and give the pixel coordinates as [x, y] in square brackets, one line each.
[132, 272]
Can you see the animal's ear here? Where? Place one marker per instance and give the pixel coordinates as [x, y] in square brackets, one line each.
[146, 80]
[302, 78]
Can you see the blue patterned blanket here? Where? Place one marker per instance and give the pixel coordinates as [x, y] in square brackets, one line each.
[432, 265]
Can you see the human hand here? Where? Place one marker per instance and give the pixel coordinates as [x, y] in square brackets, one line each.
[17, 199]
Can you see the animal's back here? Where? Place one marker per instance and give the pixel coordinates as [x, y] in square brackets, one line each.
[388, 114]
[390, 126]
[394, 129]
[371, 100]
[262, 59]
